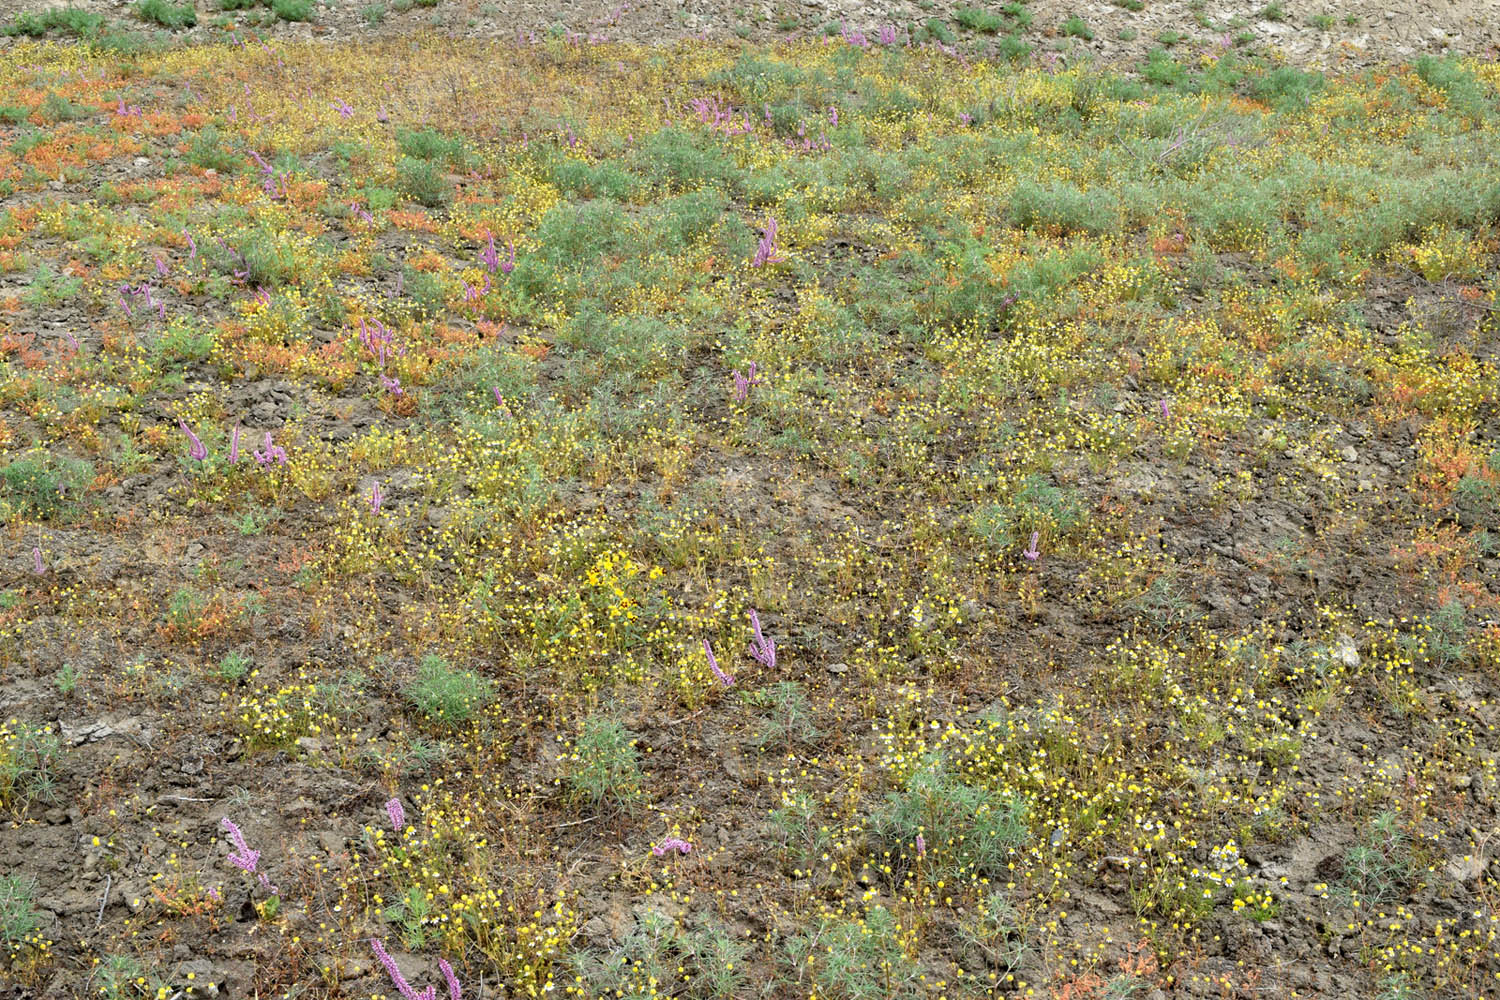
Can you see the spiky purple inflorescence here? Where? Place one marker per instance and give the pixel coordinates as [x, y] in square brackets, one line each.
[38, 566]
[242, 857]
[1031, 551]
[393, 807]
[765, 253]
[672, 844]
[197, 451]
[271, 452]
[453, 989]
[742, 383]
[713, 664]
[392, 970]
[762, 650]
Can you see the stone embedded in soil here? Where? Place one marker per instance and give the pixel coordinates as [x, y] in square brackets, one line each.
[1465, 868]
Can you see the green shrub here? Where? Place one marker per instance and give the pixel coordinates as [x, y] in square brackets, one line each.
[594, 180]
[678, 159]
[604, 765]
[293, 10]
[166, 14]
[238, 4]
[57, 108]
[976, 19]
[185, 340]
[27, 754]
[968, 831]
[430, 144]
[1162, 70]
[1012, 47]
[43, 485]
[423, 182]
[1286, 88]
[937, 28]
[1018, 13]
[209, 151]
[857, 959]
[64, 20]
[1377, 870]
[446, 696]
[1077, 28]
[1064, 207]
[19, 917]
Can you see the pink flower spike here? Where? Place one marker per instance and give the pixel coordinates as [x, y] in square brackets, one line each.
[454, 993]
[921, 846]
[509, 264]
[713, 665]
[396, 813]
[375, 498]
[392, 970]
[1165, 412]
[672, 844]
[197, 451]
[1031, 551]
[234, 446]
[39, 567]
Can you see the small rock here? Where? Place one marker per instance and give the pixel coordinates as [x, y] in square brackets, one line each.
[1348, 454]
[1345, 652]
[838, 668]
[1464, 868]
[143, 161]
[309, 744]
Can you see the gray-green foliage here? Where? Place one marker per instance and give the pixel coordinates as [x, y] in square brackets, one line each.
[19, 918]
[604, 766]
[447, 696]
[43, 484]
[856, 959]
[1378, 869]
[27, 756]
[966, 830]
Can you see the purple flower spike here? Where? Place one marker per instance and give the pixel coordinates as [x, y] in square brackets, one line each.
[402, 986]
[375, 498]
[393, 807]
[343, 108]
[196, 451]
[1166, 412]
[381, 115]
[765, 253]
[742, 383]
[242, 857]
[271, 452]
[509, 263]
[489, 257]
[921, 846]
[454, 993]
[1031, 551]
[672, 844]
[234, 446]
[38, 567]
[762, 650]
[161, 267]
[392, 385]
[713, 665]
